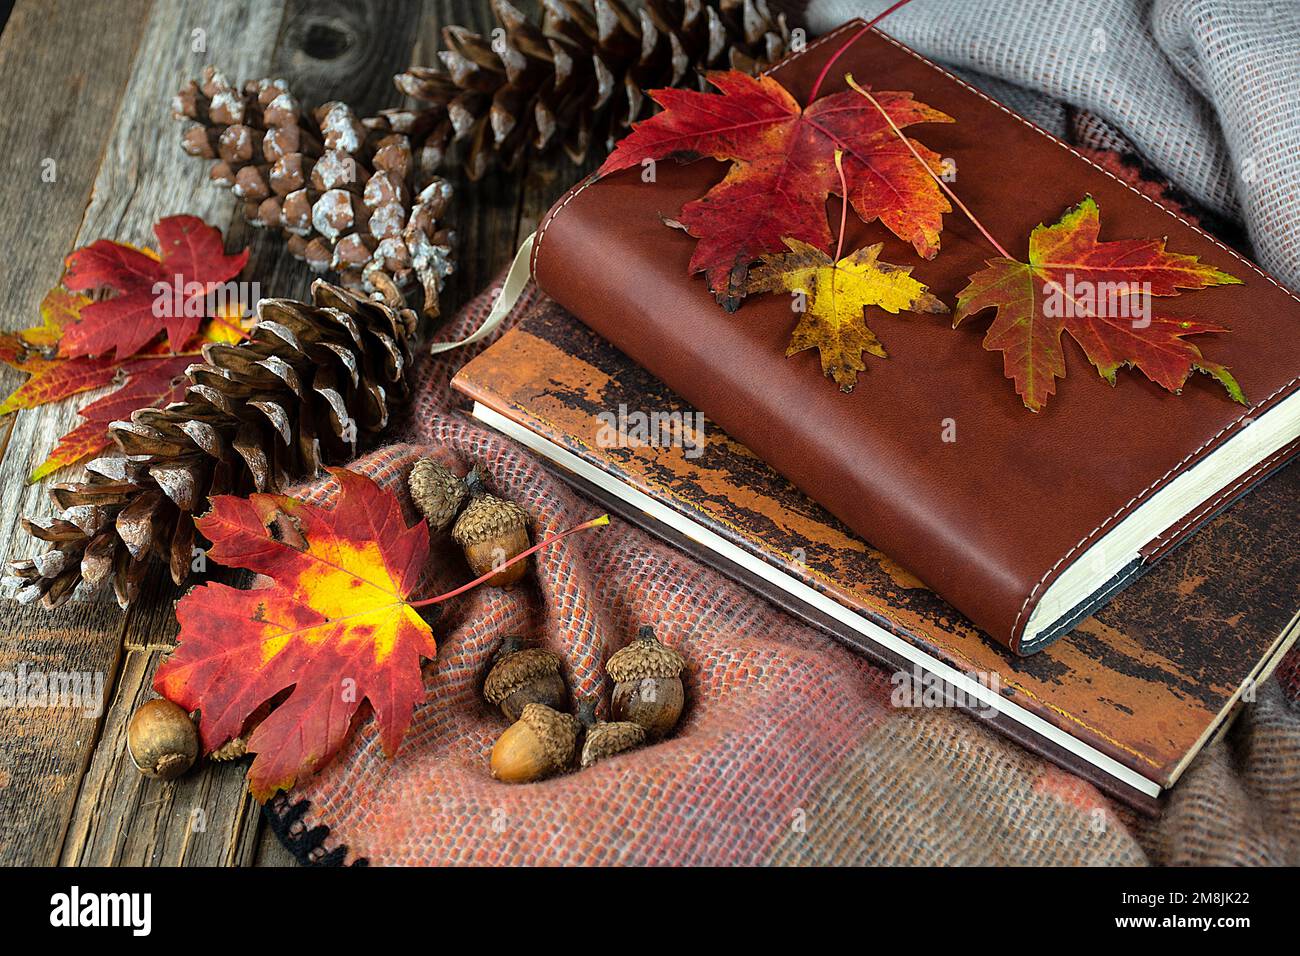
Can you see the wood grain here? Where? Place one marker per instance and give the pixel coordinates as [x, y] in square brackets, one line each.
[140, 176]
[49, 90]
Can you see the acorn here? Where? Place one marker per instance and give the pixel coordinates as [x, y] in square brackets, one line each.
[647, 686]
[492, 531]
[524, 676]
[162, 739]
[437, 491]
[606, 738]
[541, 742]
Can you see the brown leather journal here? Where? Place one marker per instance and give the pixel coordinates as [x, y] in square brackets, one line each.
[1025, 522]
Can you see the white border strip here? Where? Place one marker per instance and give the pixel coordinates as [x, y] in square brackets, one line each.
[874, 632]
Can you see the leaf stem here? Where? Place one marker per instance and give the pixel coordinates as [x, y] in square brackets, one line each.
[844, 206]
[848, 78]
[218, 320]
[593, 523]
[821, 77]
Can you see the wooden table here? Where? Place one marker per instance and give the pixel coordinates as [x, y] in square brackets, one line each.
[89, 85]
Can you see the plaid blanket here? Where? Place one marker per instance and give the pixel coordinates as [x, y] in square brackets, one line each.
[789, 751]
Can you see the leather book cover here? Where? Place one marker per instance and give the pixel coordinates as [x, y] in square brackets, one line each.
[1145, 681]
[991, 519]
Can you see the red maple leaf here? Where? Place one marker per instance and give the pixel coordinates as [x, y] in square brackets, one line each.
[783, 170]
[1096, 291]
[148, 379]
[192, 255]
[335, 625]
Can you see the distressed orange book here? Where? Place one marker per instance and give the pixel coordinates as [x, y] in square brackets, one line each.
[1126, 699]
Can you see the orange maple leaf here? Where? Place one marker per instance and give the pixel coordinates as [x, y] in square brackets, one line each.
[33, 351]
[1098, 292]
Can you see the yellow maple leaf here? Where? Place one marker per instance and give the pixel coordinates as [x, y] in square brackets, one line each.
[833, 297]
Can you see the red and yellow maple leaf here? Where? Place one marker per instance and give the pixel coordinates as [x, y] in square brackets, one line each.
[783, 169]
[836, 295]
[335, 625]
[52, 379]
[148, 380]
[192, 261]
[1098, 292]
[147, 374]
[59, 308]
[151, 380]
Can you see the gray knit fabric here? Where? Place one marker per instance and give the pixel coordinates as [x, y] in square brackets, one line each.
[1206, 91]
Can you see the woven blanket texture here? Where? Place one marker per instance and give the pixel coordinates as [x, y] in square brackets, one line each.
[789, 751]
[1205, 91]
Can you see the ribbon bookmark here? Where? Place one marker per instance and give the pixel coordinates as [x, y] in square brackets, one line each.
[513, 288]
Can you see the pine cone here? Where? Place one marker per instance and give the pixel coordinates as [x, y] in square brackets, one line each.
[579, 78]
[309, 384]
[345, 192]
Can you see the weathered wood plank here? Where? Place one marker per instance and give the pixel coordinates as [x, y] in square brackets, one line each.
[270, 851]
[46, 53]
[546, 181]
[325, 51]
[124, 819]
[48, 87]
[141, 178]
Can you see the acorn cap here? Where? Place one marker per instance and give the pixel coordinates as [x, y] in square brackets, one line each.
[644, 657]
[437, 491]
[488, 517]
[515, 670]
[556, 733]
[607, 739]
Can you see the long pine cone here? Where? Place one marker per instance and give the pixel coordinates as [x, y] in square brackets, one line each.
[310, 383]
[579, 77]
